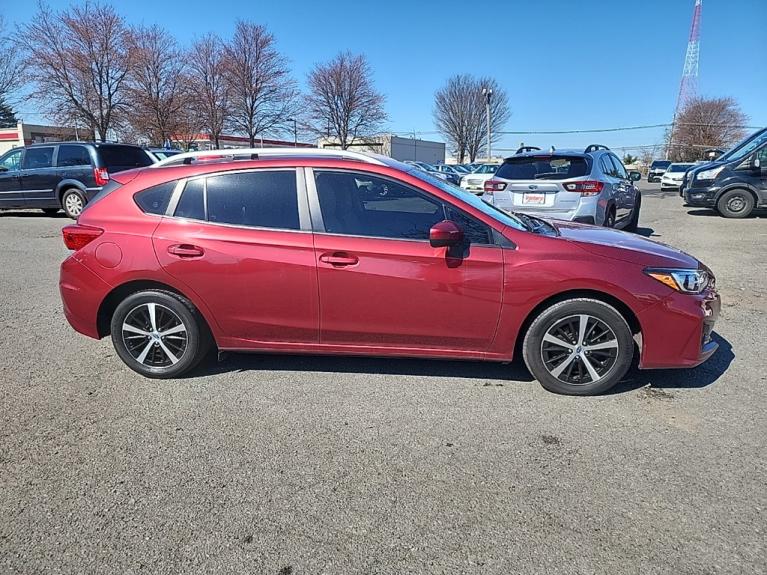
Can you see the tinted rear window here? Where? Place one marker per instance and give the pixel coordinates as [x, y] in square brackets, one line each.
[264, 199]
[660, 164]
[679, 167]
[543, 168]
[116, 158]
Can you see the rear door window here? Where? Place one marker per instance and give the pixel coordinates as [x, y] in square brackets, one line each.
[192, 202]
[620, 170]
[117, 158]
[543, 168]
[73, 155]
[263, 199]
[607, 166]
[37, 158]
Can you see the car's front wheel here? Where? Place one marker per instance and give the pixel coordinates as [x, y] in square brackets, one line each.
[579, 347]
[735, 204]
[159, 334]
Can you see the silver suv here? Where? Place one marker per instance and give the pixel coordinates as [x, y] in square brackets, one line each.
[590, 186]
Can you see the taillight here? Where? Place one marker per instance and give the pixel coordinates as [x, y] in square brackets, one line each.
[101, 175]
[586, 187]
[77, 236]
[494, 186]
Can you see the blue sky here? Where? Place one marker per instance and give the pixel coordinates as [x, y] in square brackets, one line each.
[565, 64]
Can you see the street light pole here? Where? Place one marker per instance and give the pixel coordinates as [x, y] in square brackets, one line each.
[295, 132]
[488, 94]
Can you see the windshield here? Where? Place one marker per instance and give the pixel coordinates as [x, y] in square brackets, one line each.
[474, 201]
[543, 168]
[744, 148]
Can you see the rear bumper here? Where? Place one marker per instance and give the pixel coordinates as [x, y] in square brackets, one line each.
[82, 292]
[677, 331]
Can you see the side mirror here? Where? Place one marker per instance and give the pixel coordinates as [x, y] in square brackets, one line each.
[445, 234]
[635, 176]
[756, 163]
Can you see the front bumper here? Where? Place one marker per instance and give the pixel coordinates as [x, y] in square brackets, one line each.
[701, 196]
[677, 332]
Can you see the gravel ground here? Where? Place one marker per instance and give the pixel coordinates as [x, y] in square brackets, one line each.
[303, 465]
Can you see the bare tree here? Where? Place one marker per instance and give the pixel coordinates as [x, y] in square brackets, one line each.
[207, 89]
[155, 87]
[78, 62]
[263, 95]
[342, 101]
[460, 114]
[706, 123]
[11, 69]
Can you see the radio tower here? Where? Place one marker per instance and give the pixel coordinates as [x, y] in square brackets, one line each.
[688, 87]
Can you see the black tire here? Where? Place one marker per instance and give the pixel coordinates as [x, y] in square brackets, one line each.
[737, 203]
[148, 354]
[73, 201]
[609, 221]
[604, 326]
[50, 211]
[633, 224]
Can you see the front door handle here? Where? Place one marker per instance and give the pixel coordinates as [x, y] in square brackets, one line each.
[186, 251]
[339, 259]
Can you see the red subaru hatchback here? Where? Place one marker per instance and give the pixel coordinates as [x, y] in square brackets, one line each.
[319, 251]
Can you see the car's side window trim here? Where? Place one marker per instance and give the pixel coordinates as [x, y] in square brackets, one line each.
[304, 220]
[319, 227]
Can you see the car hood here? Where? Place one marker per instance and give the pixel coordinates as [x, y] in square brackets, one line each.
[624, 246]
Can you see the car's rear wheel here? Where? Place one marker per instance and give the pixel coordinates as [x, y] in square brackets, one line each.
[159, 334]
[736, 204]
[73, 202]
[609, 221]
[579, 347]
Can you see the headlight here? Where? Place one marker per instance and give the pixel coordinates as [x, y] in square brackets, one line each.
[682, 280]
[709, 174]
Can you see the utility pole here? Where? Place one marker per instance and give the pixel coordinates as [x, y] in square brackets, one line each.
[295, 132]
[488, 94]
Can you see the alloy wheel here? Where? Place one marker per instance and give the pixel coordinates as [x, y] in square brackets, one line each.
[73, 204]
[579, 349]
[154, 335]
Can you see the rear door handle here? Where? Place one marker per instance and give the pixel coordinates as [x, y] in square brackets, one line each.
[339, 259]
[186, 251]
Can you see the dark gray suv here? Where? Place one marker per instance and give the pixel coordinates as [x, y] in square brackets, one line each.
[64, 175]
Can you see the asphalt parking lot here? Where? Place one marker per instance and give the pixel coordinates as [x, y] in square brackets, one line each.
[303, 465]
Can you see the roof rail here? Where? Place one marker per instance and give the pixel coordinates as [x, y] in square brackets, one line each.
[232, 154]
[524, 149]
[594, 148]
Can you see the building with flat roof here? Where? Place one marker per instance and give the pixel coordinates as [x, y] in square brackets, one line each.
[25, 134]
[227, 141]
[397, 147]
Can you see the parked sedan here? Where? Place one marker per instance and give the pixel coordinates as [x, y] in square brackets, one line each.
[475, 181]
[315, 263]
[673, 176]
